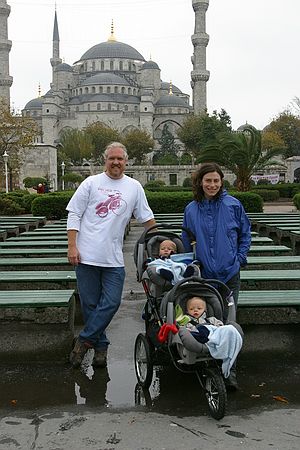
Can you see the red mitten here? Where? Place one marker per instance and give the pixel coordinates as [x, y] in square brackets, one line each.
[164, 331]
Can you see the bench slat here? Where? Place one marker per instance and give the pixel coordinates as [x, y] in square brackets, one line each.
[35, 298]
[269, 298]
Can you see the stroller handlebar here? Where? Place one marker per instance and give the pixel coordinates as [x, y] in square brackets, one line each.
[169, 226]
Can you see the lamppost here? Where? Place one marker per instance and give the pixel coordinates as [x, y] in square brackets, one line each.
[62, 175]
[5, 157]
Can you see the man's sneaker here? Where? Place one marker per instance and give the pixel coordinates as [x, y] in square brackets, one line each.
[78, 352]
[100, 358]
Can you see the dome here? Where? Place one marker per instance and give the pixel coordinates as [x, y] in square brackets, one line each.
[34, 103]
[112, 49]
[166, 87]
[171, 100]
[63, 67]
[105, 78]
[245, 127]
[150, 65]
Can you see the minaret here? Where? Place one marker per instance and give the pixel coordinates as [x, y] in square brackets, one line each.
[5, 46]
[200, 40]
[55, 60]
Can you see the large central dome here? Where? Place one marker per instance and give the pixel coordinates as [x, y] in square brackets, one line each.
[112, 49]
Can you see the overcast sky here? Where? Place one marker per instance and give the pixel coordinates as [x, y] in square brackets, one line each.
[252, 56]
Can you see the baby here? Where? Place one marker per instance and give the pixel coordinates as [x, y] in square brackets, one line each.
[167, 268]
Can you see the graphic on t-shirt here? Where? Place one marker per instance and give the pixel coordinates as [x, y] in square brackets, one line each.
[114, 203]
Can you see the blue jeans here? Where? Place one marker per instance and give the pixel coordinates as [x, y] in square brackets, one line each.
[100, 291]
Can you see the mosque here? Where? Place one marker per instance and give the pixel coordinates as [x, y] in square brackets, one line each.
[111, 83]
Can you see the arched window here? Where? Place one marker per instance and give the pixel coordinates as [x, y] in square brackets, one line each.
[108, 89]
[129, 91]
[134, 91]
[118, 107]
[98, 106]
[116, 89]
[109, 107]
[102, 65]
[126, 108]
[93, 65]
[80, 91]
[135, 108]
[111, 65]
[89, 107]
[93, 89]
[86, 90]
[123, 90]
[121, 65]
[101, 90]
[129, 65]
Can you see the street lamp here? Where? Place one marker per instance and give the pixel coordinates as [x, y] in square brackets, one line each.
[62, 174]
[5, 157]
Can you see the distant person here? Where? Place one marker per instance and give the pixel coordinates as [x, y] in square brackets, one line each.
[40, 189]
[99, 211]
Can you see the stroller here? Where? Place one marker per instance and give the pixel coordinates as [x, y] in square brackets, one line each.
[163, 341]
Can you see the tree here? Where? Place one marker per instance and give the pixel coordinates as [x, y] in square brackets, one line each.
[167, 154]
[287, 126]
[201, 130]
[138, 144]
[76, 145]
[242, 154]
[16, 134]
[101, 135]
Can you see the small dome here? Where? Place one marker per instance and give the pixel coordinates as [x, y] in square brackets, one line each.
[105, 78]
[63, 67]
[112, 49]
[171, 100]
[34, 103]
[245, 126]
[150, 65]
[166, 87]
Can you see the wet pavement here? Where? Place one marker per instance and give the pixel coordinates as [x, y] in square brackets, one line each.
[54, 407]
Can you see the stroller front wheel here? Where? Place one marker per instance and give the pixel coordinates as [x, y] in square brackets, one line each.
[215, 392]
[142, 361]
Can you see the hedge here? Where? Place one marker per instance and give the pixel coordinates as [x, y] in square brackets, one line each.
[296, 201]
[268, 195]
[286, 190]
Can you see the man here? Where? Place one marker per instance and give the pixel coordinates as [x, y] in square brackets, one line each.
[99, 211]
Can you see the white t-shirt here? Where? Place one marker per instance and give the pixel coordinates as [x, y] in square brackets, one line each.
[100, 210]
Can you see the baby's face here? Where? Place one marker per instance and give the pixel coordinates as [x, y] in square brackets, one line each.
[196, 307]
[166, 248]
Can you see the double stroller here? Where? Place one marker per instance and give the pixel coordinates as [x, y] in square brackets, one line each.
[163, 340]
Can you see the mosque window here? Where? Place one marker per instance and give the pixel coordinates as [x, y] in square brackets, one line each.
[118, 107]
[111, 65]
[123, 90]
[109, 106]
[135, 108]
[134, 91]
[129, 65]
[102, 65]
[47, 110]
[89, 107]
[145, 109]
[101, 90]
[126, 108]
[86, 90]
[85, 67]
[129, 91]
[98, 106]
[93, 65]
[93, 89]
[133, 67]
[108, 89]
[116, 89]
[121, 65]
[77, 108]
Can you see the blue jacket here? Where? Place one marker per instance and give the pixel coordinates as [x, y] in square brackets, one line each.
[223, 234]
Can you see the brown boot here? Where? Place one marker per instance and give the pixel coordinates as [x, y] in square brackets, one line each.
[100, 358]
[78, 352]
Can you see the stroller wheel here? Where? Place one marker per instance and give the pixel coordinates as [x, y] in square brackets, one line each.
[142, 361]
[215, 392]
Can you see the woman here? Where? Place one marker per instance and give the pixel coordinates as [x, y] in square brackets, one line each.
[221, 227]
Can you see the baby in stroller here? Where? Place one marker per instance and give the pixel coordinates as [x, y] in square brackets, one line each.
[164, 334]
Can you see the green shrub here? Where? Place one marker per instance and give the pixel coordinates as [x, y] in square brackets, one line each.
[9, 207]
[268, 195]
[251, 201]
[53, 206]
[296, 201]
[154, 184]
[286, 190]
[187, 182]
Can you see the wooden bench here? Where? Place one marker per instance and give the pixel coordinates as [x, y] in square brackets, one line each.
[42, 263]
[30, 252]
[272, 262]
[32, 243]
[41, 237]
[41, 279]
[36, 325]
[270, 279]
[268, 250]
[3, 234]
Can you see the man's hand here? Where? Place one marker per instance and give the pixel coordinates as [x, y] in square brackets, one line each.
[73, 256]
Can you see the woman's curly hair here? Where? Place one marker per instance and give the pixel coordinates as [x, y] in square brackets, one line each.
[197, 178]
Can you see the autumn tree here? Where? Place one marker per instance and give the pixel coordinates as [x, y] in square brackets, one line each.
[138, 144]
[200, 130]
[16, 134]
[101, 135]
[287, 126]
